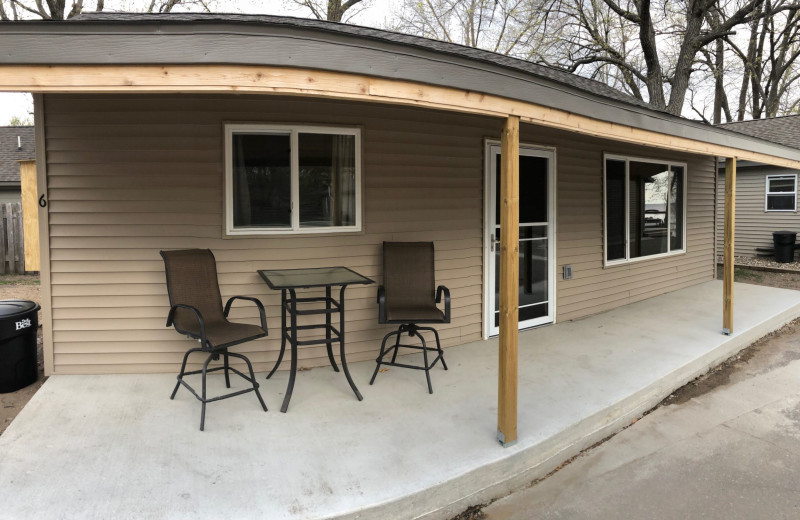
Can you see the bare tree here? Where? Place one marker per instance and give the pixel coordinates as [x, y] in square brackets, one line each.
[332, 10]
[57, 9]
[513, 27]
[669, 37]
[769, 63]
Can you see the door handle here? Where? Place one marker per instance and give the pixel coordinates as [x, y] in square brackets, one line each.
[492, 242]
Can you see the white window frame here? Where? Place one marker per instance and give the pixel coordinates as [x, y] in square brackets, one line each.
[793, 176]
[293, 131]
[627, 260]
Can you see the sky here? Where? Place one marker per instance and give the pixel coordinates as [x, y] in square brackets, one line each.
[376, 14]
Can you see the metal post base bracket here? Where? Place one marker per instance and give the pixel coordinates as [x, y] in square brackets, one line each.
[727, 332]
[501, 438]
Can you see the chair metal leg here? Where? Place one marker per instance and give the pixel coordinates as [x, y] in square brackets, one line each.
[225, 361]
[252, 378]
[439, 348]
[283, 334]
[204, 400]
[413, 331]
[380, 356]
[183, 369]
[438, 344]
[400, 331]
[425, 358]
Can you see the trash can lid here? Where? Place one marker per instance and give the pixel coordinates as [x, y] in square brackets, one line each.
[10, 308]
[782, 233]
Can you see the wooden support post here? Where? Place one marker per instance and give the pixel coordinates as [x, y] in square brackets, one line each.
[30, 213]
[730, 219]
[509, 283]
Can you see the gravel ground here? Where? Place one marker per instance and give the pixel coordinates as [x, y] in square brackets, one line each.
[20, 288]
[764, 262]
[782, 279]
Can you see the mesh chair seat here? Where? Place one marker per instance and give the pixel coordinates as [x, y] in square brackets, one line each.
[227, 333]
[416, 314]
[196, 310]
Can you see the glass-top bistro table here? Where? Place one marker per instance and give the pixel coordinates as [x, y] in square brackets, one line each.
[288, 281]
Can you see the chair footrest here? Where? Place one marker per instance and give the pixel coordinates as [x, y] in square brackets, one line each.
[218, 398]
[415, 347]
[413, 367]
[432, 364]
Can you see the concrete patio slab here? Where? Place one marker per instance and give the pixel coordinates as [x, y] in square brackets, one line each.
[97, 447]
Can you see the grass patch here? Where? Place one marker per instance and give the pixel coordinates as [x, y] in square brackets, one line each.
[19, 279]
[747, 275]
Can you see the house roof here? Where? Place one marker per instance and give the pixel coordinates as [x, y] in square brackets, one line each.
[783, 130]
[567, 79]
[10, 151]
[128, 41]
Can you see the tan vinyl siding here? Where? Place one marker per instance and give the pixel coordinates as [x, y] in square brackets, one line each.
[754, 225]
[130, 175]
[579, 228]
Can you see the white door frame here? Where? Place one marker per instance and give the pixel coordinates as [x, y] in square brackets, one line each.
[491, 147]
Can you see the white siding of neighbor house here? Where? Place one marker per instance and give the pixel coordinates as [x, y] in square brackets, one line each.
[130, 175]
[754, 225]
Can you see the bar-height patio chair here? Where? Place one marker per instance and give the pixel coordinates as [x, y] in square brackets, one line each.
[196, 311]
[408, 297]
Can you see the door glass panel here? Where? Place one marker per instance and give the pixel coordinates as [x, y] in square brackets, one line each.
[532, 272]
[532, 189]
[533, 239]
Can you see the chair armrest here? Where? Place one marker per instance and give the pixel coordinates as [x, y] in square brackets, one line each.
[171, 320]
[444, 290]
[258, 303]
[381, 304]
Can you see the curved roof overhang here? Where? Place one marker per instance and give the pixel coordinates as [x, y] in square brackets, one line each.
[282, 58]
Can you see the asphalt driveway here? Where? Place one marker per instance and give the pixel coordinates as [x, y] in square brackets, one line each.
[726, 446]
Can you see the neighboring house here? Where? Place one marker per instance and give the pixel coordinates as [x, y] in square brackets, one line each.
[16, 144]
[183, 130]
[766, 196]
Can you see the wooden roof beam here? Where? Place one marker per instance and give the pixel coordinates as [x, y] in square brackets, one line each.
[194, 79]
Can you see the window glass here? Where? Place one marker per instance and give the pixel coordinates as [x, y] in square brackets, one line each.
[781, 184]
[644, 208]
[284, 179]
[615, 209]
[261, 180]
[676, 208]
[647, 193]
[780, 202]
[781, 193]
[327, 180]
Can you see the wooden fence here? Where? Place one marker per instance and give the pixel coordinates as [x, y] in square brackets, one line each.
[12, 249]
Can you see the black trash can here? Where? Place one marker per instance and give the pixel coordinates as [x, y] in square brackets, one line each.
[784, 245]
[19, 323]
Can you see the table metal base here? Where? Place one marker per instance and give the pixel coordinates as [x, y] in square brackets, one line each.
[290, 308]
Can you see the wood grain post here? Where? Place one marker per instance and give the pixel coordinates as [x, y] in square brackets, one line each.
[727, 269]
[509, 283]
[30, 213]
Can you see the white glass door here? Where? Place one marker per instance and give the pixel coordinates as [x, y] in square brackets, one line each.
[536, 234]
